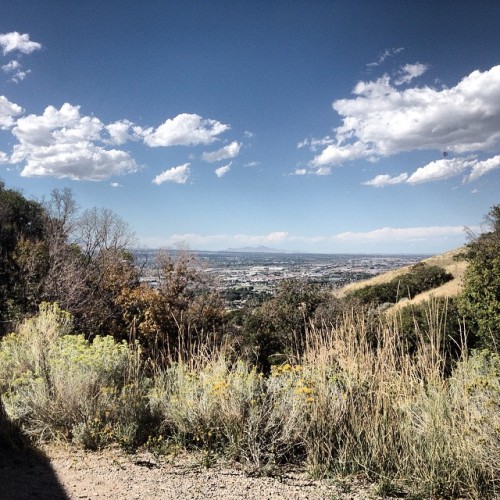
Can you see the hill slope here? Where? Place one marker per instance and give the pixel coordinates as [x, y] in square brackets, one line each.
[445, 260]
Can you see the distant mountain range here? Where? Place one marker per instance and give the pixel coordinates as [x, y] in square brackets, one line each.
[259, 249]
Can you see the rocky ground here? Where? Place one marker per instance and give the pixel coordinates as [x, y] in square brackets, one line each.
[63, 472]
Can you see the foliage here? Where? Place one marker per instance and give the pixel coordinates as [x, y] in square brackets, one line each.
[347, 408]
[480, 299]
[182, 313]
[21, 229]
[417, 322]
[421, 278]
[275, 330]
[55, 383]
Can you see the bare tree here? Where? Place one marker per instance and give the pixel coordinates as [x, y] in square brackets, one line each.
[100, 230]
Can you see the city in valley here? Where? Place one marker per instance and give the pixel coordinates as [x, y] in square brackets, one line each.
[240, 275]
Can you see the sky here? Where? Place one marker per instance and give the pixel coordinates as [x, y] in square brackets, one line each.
[308, 126]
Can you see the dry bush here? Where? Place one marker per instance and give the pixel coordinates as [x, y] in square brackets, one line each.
[61, 385]
[357, 402]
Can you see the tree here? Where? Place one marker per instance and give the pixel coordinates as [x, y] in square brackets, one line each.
[480, 298]
[177, 317]
[276, 330]
[21, 230]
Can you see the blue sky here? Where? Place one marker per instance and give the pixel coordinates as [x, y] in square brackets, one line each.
[316, 126]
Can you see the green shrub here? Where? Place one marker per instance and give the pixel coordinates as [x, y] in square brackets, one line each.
[421, 278]
[480, 298]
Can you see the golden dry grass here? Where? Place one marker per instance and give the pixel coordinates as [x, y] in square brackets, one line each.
[446, 260]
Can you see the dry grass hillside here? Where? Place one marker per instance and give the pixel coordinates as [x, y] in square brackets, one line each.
[445, 260]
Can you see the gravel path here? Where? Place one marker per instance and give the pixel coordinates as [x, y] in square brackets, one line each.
[74, 474]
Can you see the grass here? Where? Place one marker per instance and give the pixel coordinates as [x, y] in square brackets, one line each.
[450, 289]
[354, 402]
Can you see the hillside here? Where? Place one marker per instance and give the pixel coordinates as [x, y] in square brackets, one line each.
[445, 260]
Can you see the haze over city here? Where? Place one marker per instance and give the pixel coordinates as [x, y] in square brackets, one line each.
[311, 126]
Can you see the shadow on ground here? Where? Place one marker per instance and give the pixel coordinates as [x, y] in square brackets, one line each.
[25, 472]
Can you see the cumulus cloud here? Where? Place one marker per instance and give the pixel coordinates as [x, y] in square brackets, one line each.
[221, 171]
[410, 71]
[14, 41]
[382, 120]
[62, 143]
[184, 130]
[178, 175]
[230, 151]
[480, 168]
[386, 180]
[440, 170]
[8, 111]
[121, 132]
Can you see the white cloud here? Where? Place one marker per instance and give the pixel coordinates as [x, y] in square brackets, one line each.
[481, 168]
[252, 164]
[423, 238]
[438, 170]
[179, 175]
[313, 144]
[409, 234]
[217, 241]
[301, 171]
[14, 69]
[381, 120]
[221, 171]
[61, 143]
[116, 184]
[15, 41]
[121, 132]
[410, 71]
[384, 55]
[8, 110]
[230, 151]
[4, 158]
[386, 180]
[321, 170]
[184, 130]
[338, 154]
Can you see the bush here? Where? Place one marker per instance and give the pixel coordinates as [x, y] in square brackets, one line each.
[421, 278]
[480, 299]
[57, 384]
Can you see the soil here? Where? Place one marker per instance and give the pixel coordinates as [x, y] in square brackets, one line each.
[59, 472]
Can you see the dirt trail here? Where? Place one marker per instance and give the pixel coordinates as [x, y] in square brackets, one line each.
[75, 474]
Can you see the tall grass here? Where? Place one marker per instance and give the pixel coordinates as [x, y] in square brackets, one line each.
[357, 400]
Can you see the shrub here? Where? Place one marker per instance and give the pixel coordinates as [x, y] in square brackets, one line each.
[480, 299]
[421, 278]
[56, 384]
